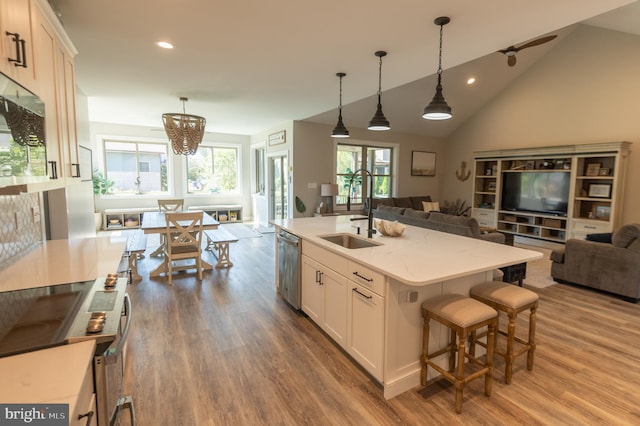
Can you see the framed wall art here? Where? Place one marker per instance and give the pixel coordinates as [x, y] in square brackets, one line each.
[600, 190]
[593, 169]
[603, 212]
[423, 163]
[277, 138]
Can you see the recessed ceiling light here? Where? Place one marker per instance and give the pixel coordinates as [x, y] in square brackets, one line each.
[165, 44]
[471, 80]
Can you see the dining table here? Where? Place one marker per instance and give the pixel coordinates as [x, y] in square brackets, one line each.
[156, 223]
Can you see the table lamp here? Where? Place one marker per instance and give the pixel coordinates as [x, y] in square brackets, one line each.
[329, 190]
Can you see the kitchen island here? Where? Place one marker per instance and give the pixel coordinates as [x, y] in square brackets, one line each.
[369, 299]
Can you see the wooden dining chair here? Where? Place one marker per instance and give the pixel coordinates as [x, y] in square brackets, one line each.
[169, 205]
[183, 241]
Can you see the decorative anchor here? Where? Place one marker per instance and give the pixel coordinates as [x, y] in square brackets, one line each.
[461, 175]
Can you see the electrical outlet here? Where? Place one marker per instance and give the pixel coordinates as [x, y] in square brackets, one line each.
[35, 214]
[407, 296]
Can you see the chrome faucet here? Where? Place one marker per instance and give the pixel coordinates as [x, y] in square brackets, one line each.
[370, 230]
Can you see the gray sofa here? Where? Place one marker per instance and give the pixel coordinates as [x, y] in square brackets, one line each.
[459, 225]
[614, 267]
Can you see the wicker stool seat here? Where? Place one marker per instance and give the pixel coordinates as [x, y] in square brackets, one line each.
[463, 316]
[511, 300]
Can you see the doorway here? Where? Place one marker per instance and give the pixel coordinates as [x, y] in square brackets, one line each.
[278, 186]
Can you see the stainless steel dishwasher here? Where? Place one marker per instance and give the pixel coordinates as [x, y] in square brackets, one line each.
[289, 282]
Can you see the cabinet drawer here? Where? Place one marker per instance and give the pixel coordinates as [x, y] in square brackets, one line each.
[327, 258]
[591, 226]
[485, 217]
[362, 275]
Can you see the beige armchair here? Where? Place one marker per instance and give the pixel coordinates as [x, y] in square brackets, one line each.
[183, 241]
[613, 267]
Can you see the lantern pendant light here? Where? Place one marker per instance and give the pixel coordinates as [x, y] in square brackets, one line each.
[438, 108]
[340, 131]
[379, 121]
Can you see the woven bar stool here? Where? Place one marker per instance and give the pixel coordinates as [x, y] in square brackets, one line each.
[512, 300]
[462, 315]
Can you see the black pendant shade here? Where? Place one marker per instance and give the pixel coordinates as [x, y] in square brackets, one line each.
[438, 108]
[379, 121]
[340, 131]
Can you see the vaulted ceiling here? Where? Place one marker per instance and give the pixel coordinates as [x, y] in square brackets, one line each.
[249, 65]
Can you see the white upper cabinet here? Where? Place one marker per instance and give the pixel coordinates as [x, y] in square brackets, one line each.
[17, 41]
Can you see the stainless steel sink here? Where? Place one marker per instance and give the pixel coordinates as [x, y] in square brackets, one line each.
[349, 241]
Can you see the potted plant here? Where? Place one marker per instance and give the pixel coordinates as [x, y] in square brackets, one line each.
[101, 186]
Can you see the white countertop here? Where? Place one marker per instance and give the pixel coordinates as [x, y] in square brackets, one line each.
[64, 261]
[419, 257]
[49, 376]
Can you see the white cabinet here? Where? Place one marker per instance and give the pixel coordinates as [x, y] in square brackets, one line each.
[366, 329]
[17, 41]
[312, 291]
[346, 300]
[54, 64]
[485, 217]
[324, 299]
[66, 96]
[49, 74]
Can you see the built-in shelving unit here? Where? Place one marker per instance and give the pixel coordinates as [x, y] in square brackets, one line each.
[595, 196]
[221, 213]
[124, 218]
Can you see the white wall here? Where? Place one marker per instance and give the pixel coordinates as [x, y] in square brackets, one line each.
[585, 90]
[98, 130]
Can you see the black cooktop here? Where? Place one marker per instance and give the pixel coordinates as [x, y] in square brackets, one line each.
[39, 318]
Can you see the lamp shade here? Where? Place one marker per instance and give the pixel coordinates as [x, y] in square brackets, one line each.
[329, 189]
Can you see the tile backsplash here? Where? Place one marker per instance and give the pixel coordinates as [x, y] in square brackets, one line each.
[21, 219]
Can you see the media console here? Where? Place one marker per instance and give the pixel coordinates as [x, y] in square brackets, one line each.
[551, 193]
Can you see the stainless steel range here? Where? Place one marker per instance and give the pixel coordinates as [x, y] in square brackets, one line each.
[100, 310]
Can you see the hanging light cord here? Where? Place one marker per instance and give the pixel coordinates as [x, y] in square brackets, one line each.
[340, 100]
[440, 54]
[439, 85]
[380, 80]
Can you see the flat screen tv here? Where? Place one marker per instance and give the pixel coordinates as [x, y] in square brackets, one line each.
[536, 191]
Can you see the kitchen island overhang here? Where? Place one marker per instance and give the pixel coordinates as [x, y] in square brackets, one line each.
[420, 264]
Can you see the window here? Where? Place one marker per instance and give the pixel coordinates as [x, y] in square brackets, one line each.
[213, 169]
[259, 154]
[377, 160]
[136, 167]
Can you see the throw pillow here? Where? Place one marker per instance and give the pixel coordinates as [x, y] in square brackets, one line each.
[431, 206]
[604, 237]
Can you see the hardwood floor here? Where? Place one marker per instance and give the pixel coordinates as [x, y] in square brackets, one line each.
[230, 351]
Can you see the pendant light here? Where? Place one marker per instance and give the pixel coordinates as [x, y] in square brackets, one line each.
[438, 108]
[379, 121]
[185, 131]
[340, 131]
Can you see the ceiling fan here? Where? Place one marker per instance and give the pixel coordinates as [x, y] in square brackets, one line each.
[512, 50]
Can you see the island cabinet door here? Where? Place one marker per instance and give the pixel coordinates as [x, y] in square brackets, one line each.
[312, 291]
[366, 328]
[335, 305]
